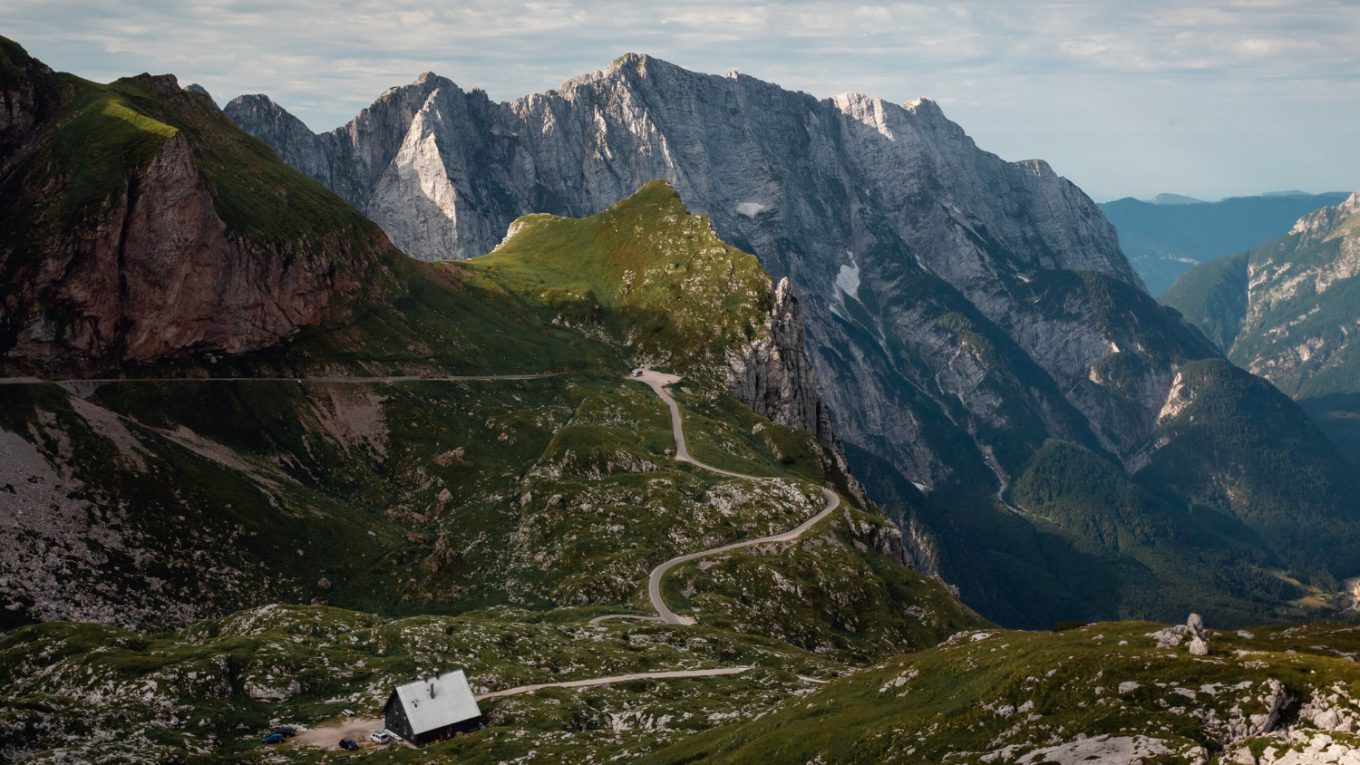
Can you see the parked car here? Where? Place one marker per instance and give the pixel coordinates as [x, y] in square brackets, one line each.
[382, 736]
[287, 731]
[349, 745]
[272, 738]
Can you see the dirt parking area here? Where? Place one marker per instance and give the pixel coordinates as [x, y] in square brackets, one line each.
[328, 735]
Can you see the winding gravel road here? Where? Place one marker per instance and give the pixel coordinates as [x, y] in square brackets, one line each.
[669, 675]
[658, 381]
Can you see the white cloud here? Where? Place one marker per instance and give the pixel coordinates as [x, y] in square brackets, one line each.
[1064, 79]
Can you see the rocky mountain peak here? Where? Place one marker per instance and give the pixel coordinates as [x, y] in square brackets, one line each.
[161, 84]
[198, 90]
[140, 226]
[1329, 221]
[258, 104]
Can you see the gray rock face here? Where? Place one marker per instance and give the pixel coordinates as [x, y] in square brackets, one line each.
[773, 374]
[1288, 284]
[776, 378]
[959, 308]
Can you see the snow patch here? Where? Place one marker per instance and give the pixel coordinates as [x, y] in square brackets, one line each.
[751, 209]
[847, 279]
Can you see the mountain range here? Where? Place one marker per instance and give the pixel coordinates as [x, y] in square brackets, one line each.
[1286, 310]
[1173, 234]
[980, 342]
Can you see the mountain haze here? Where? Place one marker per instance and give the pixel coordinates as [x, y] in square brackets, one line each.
[1171, 235]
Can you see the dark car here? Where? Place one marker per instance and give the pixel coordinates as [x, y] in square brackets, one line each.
[349, 744]
[272, 738]
[287, 731]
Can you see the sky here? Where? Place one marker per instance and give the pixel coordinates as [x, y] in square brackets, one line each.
[1124, 97]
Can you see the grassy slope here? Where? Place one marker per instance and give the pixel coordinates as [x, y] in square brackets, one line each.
[645, 271]
[961, 699]
[187, 695]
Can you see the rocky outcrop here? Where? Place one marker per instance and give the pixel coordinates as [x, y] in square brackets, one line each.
[774, 376]
[112, 265]
[161, 277]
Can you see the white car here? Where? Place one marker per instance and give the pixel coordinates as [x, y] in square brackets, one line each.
[383, 736]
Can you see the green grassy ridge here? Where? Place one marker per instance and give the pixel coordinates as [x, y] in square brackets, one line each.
[101, 134]
[949, 702]
[87, 159]
[172, 693]
[97, 145]
[435, 319]
[645, 270]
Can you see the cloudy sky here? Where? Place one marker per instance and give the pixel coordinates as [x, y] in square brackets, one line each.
[1125, 97]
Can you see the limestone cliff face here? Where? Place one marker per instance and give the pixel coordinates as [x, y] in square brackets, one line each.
[775, 377]
[108, 265]
[895, 230]
[160, 277]
[773, 374]
[1300, 317]
[1286, 310]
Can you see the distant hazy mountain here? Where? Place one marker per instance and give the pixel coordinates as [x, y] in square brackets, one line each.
[1288, 311]
[1175, 199]
[1172, 234]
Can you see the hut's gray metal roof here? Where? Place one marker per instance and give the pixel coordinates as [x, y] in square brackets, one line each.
[434, 703]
